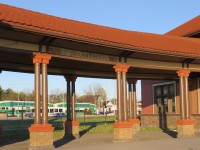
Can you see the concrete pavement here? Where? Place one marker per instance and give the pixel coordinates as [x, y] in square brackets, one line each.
[142, 141]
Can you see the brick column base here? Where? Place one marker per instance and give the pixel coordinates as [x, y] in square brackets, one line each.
[136, 125]
[185, 128]
[122, 131]
[71, 129]
[41, 136]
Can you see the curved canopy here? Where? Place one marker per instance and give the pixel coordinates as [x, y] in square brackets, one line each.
[91, 50]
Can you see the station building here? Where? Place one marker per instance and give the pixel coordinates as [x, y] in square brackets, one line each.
[161, 98]
[168, 65]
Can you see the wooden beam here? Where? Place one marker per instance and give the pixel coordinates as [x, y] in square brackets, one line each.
[140, 63]
[81, 73]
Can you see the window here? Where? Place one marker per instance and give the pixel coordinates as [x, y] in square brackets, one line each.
[165, 90]
[164, 97]
[158, 91]
[171, 89]
[173, 105]
[159, 102]
[166, 104]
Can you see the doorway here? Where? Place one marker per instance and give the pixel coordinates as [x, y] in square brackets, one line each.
[164, 98]
[162, 112]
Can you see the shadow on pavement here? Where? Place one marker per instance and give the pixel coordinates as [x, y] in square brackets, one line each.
[11, 137]
[171, 133]
[64, 141]
[87, 130]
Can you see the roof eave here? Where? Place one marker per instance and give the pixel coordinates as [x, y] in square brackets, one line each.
[108, 44]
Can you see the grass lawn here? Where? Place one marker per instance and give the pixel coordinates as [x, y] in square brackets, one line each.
[100, 129]
[89, 125]
[56, 122]
[150, 129]
[17, 129]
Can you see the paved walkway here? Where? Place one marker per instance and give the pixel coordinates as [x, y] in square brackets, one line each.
[141, 141]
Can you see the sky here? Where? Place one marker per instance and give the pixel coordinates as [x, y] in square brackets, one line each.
[155, 16]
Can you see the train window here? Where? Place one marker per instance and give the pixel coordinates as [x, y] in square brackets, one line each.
[55, 110]
[28, 109]
[51, 110]
[60, 110]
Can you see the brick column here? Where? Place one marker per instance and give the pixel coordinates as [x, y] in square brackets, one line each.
[130, 91]
[41, 134]
[68, 102]
[73, 80]
[37, 62]
[133, 106]
[185, 126]
[124, 91]
[45, 62]
[71, 126]
[122, 128]
[119, 93]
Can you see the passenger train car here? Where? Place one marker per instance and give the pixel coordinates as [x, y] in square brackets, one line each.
[17, 108]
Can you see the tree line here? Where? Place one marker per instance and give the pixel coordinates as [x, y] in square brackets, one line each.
[94, 94]
[10, 94]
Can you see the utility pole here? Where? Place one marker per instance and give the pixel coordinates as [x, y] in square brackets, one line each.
[18, 102]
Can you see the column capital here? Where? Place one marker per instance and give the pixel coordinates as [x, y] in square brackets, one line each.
[183, 72]
[70, 77]
[132, 81]
[121, 67]
[37, 59]
[46, 58]
[41, 58]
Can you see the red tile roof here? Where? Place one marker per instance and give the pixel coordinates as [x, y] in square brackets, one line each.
[190, 27]
[147, 42]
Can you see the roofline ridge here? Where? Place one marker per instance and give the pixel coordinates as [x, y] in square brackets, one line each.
[66, 19]
[190, 20]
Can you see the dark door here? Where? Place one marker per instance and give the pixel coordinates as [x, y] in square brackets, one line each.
[162, 109]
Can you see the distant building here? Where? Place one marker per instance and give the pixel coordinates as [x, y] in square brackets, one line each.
[111, 107]
[139, 107]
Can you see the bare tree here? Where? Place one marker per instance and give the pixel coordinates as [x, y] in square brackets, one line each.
[92, 89]
[94, 94]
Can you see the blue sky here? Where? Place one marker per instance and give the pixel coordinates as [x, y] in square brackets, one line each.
[154, 16]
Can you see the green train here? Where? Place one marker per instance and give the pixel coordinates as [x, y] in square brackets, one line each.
[17, 108]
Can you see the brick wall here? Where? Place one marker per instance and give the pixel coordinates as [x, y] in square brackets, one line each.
[196, 117]
[193, 96]
[155, 121]
[147, 95]
[148, 120]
